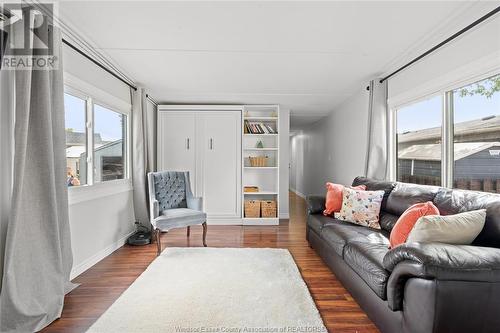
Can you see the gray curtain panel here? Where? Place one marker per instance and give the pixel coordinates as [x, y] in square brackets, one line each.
[37, 253]
[143, 152]
[7, 153]
[377, 151]
[3, 44]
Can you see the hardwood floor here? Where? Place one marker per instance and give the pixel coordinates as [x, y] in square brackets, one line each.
[103, 284]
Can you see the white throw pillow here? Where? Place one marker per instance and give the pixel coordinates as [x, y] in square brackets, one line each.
[361, 207]
[459, 229]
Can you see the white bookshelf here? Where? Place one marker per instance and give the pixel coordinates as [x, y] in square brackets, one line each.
[266, 178]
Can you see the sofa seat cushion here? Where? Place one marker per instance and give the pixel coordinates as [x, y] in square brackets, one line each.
[178, 218]
[339, 233]
[366, 259]
[317, 222]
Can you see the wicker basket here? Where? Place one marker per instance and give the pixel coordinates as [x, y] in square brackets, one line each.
[258, 161]
[252, 208]
[251, 189]
[268, 208]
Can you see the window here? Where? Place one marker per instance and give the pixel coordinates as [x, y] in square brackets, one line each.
[109, 136]
[76, 140]
[419, 142]
[476, 141]
[108, 144]
[471, 149]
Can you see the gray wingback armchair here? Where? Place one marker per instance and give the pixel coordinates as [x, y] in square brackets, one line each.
[172, 205]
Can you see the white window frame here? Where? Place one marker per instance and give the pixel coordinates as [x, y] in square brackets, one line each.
[447, 126]
[92, 96]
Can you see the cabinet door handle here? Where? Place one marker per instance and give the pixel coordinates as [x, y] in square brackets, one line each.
[211, 144]
[187, 143]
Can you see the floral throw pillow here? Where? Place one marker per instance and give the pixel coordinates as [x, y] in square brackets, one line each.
[361, 207]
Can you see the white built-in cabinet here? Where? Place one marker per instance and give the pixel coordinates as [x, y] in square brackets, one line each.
[176, 143]
[207, 143]
[213, 143]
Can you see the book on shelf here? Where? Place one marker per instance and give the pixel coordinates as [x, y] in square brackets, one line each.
[258, 128]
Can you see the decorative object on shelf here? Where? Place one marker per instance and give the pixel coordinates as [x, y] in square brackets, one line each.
[259, 144]
[268, 208]
[251, 189]
[258, 161]
[246, 114]
[252, 208]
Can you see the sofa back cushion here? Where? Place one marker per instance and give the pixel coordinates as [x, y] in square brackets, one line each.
[458, 201]
[387, 221]
[376, 185]
[448, 202]
[405, 195]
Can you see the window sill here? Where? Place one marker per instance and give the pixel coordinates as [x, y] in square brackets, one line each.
[84, 193]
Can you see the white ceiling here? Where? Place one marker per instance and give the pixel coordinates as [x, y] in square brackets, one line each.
[306, 56]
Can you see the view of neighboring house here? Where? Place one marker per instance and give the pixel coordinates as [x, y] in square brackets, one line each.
[476, 155]
[76, 143]
[108, 162]
[107, 154]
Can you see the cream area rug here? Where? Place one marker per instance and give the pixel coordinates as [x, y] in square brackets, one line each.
[215, 290]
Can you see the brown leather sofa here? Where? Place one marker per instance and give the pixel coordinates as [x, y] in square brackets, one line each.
[415, 287]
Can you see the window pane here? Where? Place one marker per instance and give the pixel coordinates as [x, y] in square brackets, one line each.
[477, 136]
[419, 142]
[109, 147]
[76, 140]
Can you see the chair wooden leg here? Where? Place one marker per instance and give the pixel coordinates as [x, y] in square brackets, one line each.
[158, 242]
[204, 234]
[188, 231]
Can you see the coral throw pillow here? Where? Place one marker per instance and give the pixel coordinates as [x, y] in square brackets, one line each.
[407, 221]
[333, 201]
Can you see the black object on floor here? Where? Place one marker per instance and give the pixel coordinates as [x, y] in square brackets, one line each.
[141, 237]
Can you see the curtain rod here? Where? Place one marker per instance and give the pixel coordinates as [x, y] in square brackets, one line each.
[470, 26]
[151, 99]
[98, 63]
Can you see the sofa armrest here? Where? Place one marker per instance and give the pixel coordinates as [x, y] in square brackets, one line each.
[441, 259]
[315, 204]
[195, 203]
[438, 261]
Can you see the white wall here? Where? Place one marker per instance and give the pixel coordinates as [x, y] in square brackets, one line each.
[284, 162]
[99, 226]
[293, 162]
[469, 57]
[333, 149]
